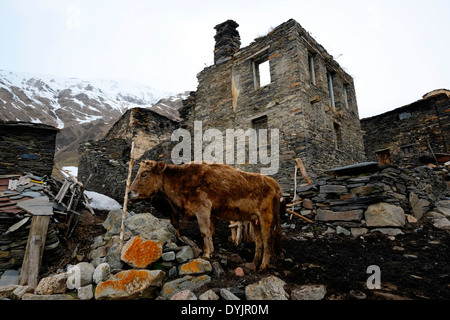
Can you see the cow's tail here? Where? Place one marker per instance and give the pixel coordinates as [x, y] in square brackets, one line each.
[279, 208]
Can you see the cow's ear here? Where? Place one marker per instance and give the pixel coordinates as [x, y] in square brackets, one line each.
[161, 166]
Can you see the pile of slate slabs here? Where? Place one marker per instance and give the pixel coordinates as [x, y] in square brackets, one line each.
[21, 197]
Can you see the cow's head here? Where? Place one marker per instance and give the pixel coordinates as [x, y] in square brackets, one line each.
[148, 181]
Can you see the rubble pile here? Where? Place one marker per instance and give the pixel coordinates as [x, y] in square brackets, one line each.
[153, 264]
[20, 198]
[367, 196]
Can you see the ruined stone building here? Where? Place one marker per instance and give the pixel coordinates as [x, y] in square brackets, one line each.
[106, 159]
[284, 80]
[418, 133]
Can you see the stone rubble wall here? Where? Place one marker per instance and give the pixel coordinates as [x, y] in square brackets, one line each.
[390, 192]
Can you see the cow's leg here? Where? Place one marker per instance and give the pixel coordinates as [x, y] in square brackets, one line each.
[205, 224]
[175, 221]
[258, 245]
[266, 236]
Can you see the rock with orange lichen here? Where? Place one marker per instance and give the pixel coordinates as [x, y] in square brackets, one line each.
[130, 284]
[195, 267]
[139, 252]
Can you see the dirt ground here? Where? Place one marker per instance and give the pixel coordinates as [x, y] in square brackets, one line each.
[415, 265]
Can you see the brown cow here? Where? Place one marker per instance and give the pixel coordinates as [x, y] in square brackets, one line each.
[207, 191]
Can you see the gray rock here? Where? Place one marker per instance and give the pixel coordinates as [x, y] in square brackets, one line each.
[418, 206]
[443, 207]
[80, 275]
[86, 292]
[9, 277]
[208, 295]
[442, 224]
[168, 256]
[388, 231]
[186, 283]
[30, 296]
[309, 292]
[356, 232]
[184, 254]
[228, 295]
[101, 272]
[328, 215]
[333, 189]
[113, 222]
[217, 269]
[340, 230]
[269, 288]
[150, 227]
[384, 215]
[184, 295]
[113, 257]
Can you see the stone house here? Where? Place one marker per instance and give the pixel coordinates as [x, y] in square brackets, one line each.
[26, 148]
[106, 159]
[283, 81]
[286, 81]
[418, 133]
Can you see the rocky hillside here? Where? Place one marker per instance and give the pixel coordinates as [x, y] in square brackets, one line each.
[81, 109]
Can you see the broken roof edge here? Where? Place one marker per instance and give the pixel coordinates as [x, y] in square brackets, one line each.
[434, 94]
[29, 124]
[290, 25]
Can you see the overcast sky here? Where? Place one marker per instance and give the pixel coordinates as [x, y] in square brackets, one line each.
[395, 50]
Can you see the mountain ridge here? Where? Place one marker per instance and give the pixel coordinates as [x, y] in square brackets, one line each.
[82, 109]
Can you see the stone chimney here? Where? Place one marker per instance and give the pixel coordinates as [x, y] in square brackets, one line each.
[228, 41]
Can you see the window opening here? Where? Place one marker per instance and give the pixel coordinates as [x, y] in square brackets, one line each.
[262, 71]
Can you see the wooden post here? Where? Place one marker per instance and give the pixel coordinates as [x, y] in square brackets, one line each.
[125, 201]
[34, 250]
[303, 171]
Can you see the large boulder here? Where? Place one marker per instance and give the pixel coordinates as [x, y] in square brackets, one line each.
[140, 253]
[130, 284]
[151, 228]
[384, 215]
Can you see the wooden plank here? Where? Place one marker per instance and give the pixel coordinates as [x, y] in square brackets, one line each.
[303, 170]
[33, 253]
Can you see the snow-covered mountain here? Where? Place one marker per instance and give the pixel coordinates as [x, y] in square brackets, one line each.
[82, 109]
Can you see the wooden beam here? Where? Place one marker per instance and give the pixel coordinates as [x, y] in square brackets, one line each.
[33, 253]
[303, 170]
[299, 215]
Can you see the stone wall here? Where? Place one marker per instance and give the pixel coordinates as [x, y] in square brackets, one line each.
[406, 134]
[27, 148]
[348, 198]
